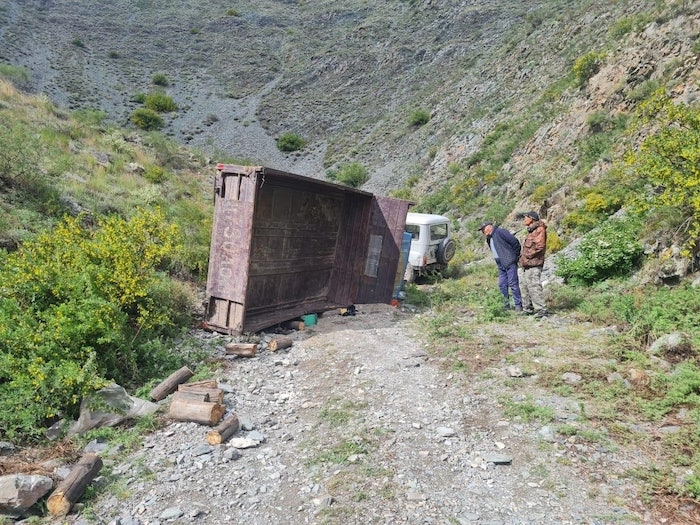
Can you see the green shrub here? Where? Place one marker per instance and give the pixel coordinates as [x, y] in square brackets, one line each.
[597, 121]
[19, 154]
[159, 79]
[586, 66]
[353, 175]
[418, 118]
[90, 117]
[15, 74]
[159, 102]
[669, 161]
[81, 308]
[147, 119]
[663, 310]
[610, 251]
[155, 174]
[290, 142]
[542, 191]
[643, 91]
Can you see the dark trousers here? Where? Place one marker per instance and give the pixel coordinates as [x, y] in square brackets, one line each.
[508, 279]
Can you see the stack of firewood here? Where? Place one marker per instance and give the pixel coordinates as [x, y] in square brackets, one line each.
[199, 401]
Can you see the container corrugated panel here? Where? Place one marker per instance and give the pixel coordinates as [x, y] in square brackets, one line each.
[284, 245]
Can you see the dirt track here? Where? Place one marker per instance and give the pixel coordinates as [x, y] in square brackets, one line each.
[360, 422]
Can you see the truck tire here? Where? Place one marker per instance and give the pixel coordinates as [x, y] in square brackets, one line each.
[446, 251]
[410, 274]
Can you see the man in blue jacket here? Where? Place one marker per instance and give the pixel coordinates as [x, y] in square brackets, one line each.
[506, 252]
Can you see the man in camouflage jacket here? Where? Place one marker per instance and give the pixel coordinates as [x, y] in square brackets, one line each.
[531, 261]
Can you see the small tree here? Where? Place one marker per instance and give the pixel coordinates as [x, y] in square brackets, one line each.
[290, 142]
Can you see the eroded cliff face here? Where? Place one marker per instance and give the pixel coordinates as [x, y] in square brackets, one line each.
[347, 75]
[660, 52]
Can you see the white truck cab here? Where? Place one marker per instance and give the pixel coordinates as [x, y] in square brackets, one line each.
[432, 246]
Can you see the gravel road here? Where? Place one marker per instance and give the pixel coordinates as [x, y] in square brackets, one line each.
[360, 422]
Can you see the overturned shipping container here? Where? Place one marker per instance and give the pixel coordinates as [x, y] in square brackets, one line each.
[284, 245]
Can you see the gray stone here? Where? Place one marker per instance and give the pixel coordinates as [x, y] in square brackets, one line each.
[201, 450]
[171, 513]
[669, 342]
[96, 446]
[18, 492]
[243, 443]
[497, 458]
[445, 431]
[245, 421]
[257, 436]
[571, 378]
[514, 371]
[546, 433]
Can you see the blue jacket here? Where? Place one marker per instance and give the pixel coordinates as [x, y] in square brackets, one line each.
[507, 246]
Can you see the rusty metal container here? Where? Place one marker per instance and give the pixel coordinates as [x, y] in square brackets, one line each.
[285, 245]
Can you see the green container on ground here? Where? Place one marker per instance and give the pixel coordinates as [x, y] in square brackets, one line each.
[309, 319]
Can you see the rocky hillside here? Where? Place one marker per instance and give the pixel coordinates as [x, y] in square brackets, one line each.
[346, 75]
[513, 125]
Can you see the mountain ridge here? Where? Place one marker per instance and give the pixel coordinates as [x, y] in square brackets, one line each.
[344, 76]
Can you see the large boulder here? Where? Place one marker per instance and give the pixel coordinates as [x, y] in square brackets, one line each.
[18, 492]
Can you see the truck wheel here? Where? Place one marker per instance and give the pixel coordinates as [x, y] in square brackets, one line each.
[410, 274]
[446, 251]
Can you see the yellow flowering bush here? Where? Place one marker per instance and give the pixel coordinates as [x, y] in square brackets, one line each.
[669, 160]
[80, 307]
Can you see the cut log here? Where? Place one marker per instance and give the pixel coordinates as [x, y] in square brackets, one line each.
[215, 395]
[241, 349]
[223, 430]
[205, 383]
[280, 343]
[169, 386]
[191, 395]
[70, 489]
[202, 412]
[294, 325]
